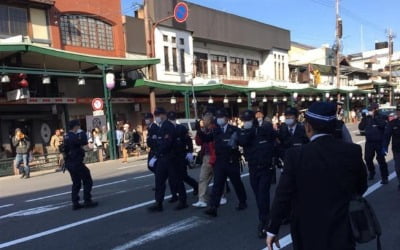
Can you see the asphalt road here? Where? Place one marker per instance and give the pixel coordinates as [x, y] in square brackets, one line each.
[36, 214]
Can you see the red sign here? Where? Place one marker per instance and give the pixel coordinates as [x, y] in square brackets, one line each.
[181, 12]
[97, 104]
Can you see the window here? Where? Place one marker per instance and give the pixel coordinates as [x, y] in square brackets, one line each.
[13, 21]
[252, 67]
[174, 60]
[201, 61]
[166, 58]
[182, 54]
[236, 66]
[173, 39]
[165, 38]
[181, 41]
[218, 65]
[87, 32]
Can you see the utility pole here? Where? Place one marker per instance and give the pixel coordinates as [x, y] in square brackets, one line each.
[149, 51]
[390, 36]
[339, 35]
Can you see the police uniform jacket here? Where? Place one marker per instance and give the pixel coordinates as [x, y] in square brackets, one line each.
[297, 139]
[392, 131]
[183, 142]
[152, 138]
[165, 140]
[226, 145]
[374, 128]
[258, 145]
[73, 148]
[310, 188]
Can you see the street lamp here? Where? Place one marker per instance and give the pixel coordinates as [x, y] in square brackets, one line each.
[110, 80]
[239, 100]
[284, 99]
[311, 99]
[253, 95]
[46, 79]
[303, 99]
[318, 99]
[226, 100]
[350, 94]
[327, 94]
[210, 100]
[173, 100]
[264, 99]
[275, 99]
[295, 95]
[123, 80]
[5, 78]
[81, 81]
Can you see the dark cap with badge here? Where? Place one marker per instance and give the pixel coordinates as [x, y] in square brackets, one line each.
[74, 123]
[292, 111]
[171, 116]
[148, 116]
[373, 106]
[247, 115]
[160, 111]
[220, 113]
[321, 113]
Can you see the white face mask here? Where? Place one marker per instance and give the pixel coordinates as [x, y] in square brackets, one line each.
[289, 122]
[158, 120]
[248, 124]
[221, 121]
[260, 120]
[148, 122]
[370, 113]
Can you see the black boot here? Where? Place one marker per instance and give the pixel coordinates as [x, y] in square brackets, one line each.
[212, 211]
[181, 206]
[157, 207]
[173, 199]
[261, 230]
[77, 206]
[385, 181]
[90, 204]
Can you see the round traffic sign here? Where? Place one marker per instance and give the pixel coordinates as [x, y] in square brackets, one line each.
[97, 104]
[181, 12]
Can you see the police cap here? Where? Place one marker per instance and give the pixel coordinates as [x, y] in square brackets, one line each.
[292, 111]
[220, 113]
[373, 106]
[247, 115]
[171, 116]
[160, 111]
[148, 116]
[73, 124]
[321, 112]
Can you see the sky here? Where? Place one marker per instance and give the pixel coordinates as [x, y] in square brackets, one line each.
[312, 22]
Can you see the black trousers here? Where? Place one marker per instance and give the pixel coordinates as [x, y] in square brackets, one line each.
[80, 174]
[372, 148]
[396, 157]
[260, 180]
[167, 169]
[183, 175]
[223, 170]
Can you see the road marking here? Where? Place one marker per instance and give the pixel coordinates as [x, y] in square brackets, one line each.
[132, 166]
[85, 221]
[355, 131]
[7, 205]
[172, 229]
[360, 142]
[142, 177]
[287, 240]
[64, 193]
[33, 211]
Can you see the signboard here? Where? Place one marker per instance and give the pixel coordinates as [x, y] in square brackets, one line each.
[18, 94]
[51, 100]
[181, 12]
[95, 122]
[98, 113]
[97, 104]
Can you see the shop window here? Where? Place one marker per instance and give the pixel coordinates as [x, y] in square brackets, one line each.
[218, 65]
[182, 58]
[201, 61]
[86, 31]
[166, 58]
[174, 60]
[252, 67]
[236, 66]
[13, 21]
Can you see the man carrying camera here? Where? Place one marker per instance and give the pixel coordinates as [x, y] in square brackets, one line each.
[22, 145]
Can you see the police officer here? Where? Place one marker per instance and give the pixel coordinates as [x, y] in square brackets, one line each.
[374, 126]
[166, 163]
[74, 154]
[227, 163]
[183, 152]
[258, 145]
[291, 133]
[152, 130]
[392, 131]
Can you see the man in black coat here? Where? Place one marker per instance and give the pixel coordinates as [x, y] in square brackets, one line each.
[151, 141]
[311, 187]
[374, 126]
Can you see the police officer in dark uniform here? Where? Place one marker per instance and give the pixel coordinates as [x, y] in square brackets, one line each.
[74, 154]
[183, 152]
[392, 131]
[152, 130]
[374, 126]
[291, 133]
[258, 145]
[165, 161]
[227, 163]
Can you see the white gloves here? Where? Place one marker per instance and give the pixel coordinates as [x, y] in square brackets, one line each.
[152, 162]
[189, 157]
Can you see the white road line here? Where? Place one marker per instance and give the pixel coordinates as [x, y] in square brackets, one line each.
[132, 166]
[174, 228]
[7, 205]
[142, 177]
[287, 240]
[355, 131]
[85, 221]
[360, 142]
[64, 193]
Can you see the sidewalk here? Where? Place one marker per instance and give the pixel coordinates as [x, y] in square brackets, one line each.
[91, 165]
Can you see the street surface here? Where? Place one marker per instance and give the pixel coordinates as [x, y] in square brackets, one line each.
[36, 214]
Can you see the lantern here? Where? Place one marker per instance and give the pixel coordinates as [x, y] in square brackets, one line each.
[110, 80]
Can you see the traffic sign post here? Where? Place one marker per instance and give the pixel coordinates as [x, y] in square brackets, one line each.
[181, 12]
[97, 104]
